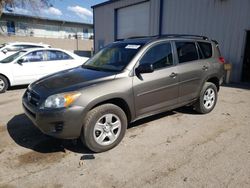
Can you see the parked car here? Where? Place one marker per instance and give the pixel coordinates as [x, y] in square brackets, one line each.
[126, 81]
[28, 65]
[8, 49]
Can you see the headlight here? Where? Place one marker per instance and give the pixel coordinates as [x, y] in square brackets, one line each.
[61, 100]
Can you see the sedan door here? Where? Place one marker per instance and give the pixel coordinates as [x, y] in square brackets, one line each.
[27, 68]
[56, 61]
[156, 91]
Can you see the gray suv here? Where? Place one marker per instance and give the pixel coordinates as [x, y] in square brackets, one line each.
[126, 81]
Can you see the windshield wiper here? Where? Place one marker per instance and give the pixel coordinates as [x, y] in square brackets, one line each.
[97, 68]
[91, 67]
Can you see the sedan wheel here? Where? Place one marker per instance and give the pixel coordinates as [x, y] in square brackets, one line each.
[3, 84]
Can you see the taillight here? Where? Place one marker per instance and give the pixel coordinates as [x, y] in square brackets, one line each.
[222, 60]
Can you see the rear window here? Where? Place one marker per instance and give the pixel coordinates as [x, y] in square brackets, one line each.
[57, 55]
[186, 51]
[206, 49]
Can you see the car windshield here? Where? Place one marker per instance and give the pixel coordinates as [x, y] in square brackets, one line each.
[12, 57]
[113, 58]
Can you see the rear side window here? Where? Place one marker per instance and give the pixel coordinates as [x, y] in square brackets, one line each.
[57, 55]
[31, 46]
[35, 56]
[160, 56]
[186, 51]
[14, 48]
[206, 49]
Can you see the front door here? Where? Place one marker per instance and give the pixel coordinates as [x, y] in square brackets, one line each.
[157, 90]
[30, 68]
[246, 62]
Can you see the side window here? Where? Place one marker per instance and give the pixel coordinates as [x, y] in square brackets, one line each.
[160, 56]
[30, 46]
[14, 48]
[54, 55]
[206, 49]
[35, 56]
[186, 51]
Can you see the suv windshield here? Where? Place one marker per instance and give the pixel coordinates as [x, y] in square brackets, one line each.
[114, 57]
[12, 57]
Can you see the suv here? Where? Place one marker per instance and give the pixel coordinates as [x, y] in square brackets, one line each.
[126, 81]
[8, 49]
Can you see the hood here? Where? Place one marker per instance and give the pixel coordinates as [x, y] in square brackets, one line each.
[69, 80]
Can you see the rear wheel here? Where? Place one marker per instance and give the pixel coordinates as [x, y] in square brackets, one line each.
[207, 99]
[104, 127]
[3, 84]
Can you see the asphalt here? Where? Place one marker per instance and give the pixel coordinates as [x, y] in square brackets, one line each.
[179, 148]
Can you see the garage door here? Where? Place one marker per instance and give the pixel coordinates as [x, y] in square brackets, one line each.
[133, 21]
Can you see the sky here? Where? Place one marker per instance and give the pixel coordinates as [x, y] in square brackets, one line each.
[69, 10]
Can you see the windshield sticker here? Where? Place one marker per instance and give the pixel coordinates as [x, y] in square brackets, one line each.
[132, 46]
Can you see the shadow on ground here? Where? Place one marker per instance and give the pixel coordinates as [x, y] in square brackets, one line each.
[18, 87]
[238, 85]
[25, 134]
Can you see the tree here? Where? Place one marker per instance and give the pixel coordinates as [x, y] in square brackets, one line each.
[34, 4]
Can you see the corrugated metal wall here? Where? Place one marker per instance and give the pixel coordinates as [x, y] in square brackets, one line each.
[223, 20]
[104, 20]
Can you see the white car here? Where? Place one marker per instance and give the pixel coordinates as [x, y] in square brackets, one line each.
[8, 49]
[28, 65]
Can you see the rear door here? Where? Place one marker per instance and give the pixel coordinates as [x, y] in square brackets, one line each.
[56, 61]
[157, 90]
[191, 69]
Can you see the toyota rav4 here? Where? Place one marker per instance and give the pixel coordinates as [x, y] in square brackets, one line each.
[126, 81]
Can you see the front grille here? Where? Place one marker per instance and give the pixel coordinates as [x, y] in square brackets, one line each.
[29, 112]
[32, 97]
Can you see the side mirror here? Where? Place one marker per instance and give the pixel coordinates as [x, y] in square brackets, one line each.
[145, 68]
[4, 51]
[20, 61]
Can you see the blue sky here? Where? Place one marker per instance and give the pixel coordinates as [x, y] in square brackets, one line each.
[70, 10]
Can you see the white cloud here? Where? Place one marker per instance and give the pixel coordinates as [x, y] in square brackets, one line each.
[81, 12]
[52, 11]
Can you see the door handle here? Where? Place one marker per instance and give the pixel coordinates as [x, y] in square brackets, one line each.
[205, 68]
[173, 75]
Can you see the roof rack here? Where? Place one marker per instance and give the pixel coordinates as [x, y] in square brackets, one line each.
[170, 36]
[185, 36]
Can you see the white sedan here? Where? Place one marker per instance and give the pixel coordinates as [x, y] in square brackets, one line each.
[29, 65]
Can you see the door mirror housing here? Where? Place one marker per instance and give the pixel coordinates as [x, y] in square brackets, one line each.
[20, 61]
[5, 51]
[145, 68]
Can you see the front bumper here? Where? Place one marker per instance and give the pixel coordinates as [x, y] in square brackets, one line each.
[60, 123]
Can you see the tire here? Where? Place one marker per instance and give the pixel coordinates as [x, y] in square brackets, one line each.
[3, 84]
[104, 127]
[207, 99]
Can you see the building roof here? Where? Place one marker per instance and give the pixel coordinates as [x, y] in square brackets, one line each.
[104, 3]
[44, 19]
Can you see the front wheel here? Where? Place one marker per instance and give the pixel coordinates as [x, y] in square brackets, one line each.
[3, 84]
[104, 127]
[207, 99]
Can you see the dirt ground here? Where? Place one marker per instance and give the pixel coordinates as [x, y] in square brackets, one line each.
[175, 149]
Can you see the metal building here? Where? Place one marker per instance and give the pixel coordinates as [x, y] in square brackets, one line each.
[227, 21]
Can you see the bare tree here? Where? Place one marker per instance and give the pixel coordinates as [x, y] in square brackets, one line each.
[34, 4]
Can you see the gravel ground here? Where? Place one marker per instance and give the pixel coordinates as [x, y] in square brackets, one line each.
[175, 149]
